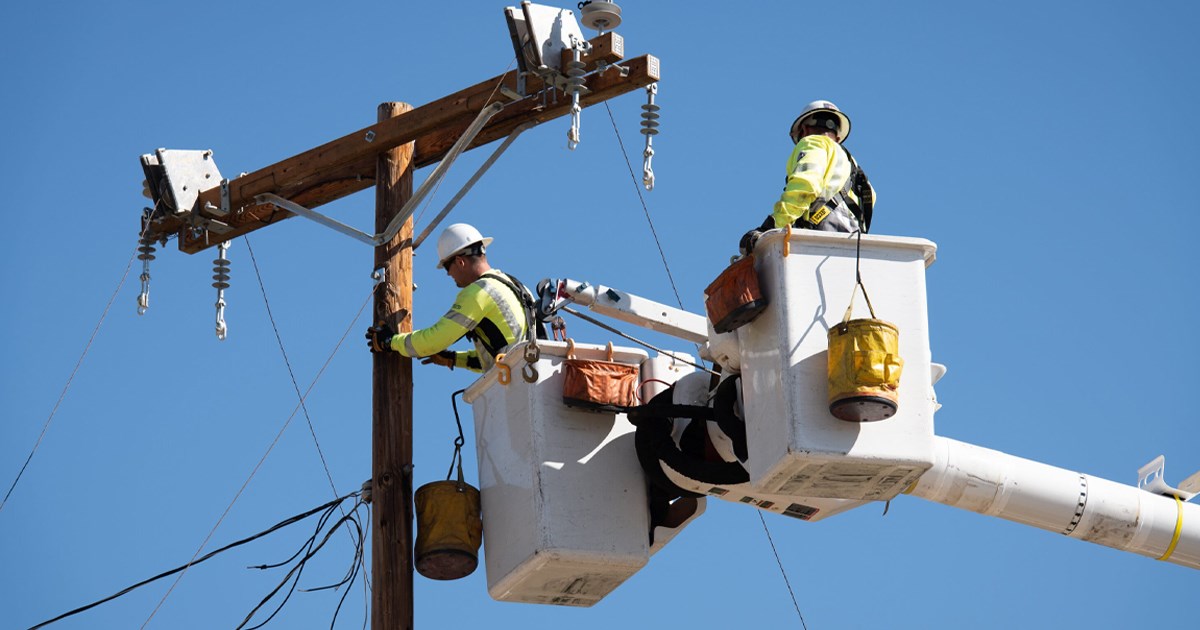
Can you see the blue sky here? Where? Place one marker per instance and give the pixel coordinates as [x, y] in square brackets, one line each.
[1047, 148]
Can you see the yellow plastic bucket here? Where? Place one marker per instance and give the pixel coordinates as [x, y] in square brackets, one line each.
[864, 370]
[449, 530]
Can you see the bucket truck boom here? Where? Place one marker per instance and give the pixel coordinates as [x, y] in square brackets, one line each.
[798, 449]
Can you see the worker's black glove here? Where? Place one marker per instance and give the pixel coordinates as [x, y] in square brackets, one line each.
[445, 358]
[749, 239]
[379, 337]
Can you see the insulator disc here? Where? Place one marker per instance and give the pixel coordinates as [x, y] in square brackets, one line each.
[600, 16]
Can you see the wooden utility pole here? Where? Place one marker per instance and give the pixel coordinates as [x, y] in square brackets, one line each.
[392, 398]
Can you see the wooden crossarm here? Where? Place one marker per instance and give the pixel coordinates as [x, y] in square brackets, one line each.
[347, 164]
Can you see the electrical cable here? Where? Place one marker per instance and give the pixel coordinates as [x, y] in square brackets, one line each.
[71, 378]
[291, 373]
[680, 302]
[194, 561]
[263, 459]
[781, 570]
[310, 549]
[610, 329]
[646, 210]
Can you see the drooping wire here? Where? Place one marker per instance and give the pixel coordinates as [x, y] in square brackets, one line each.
[263, 459]
[670, 277]
[291, 373]
[596, 322]
[309, 549]
[781, 569]
[645, 209]
[194, 561]
[78, 363]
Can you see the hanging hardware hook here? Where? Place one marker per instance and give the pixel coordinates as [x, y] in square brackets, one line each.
[532, 354]
[576, 68]
[221, 282]
[649, 129]
[146, 247]
[458, 441]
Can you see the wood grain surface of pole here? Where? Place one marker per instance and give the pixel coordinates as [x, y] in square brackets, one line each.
[392, 400]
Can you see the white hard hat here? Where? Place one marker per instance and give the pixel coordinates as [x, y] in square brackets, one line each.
[457, 238]
[843, 130]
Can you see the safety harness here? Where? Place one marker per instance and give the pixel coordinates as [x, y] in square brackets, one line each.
[533, 326]
[839, 202]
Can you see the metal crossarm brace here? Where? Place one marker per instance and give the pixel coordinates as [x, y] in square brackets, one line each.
[410, 206]
[471, 182]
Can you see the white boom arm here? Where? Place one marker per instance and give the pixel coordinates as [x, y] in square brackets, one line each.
[623, 306]
[1054, 499]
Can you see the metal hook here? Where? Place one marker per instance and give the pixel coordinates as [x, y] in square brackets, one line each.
[649, 129]
[221, 282]
[503, 372]
[529, 373]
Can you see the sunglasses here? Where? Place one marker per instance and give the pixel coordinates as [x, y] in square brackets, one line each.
[821, 122]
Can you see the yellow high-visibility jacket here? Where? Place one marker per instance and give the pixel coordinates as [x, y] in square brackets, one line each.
[486, 310]
[817, 169]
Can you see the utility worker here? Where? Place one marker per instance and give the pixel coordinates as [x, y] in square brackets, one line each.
[494, 310]
[825, 188]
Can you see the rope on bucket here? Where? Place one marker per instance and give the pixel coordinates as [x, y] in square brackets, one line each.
[858, 283]
[458, 442]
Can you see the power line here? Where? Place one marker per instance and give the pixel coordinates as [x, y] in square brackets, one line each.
[292, 374]
[71, 378]
[596, 322]
[262, 460]
[670, 277]
[310, 549]
[645, 209]
[781, 570]
[194, 561]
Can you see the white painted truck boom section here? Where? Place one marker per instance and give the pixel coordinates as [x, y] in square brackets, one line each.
[623, 306]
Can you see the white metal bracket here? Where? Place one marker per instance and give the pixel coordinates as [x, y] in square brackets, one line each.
[1150, 479]
[174, 178]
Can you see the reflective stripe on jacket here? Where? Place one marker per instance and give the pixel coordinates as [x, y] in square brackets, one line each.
[817, 170]
[486, 310]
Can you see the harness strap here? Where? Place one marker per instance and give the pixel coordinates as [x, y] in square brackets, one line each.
[861, 187]
[857, 183]
[533, 328]
[653, 412]
[656, 447]
[732, 426]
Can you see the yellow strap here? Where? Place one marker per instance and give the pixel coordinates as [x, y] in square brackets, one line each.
[1178, 529]
[787, 241]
